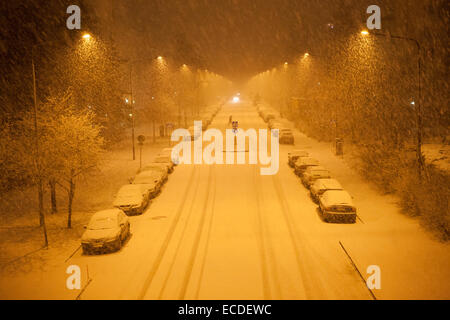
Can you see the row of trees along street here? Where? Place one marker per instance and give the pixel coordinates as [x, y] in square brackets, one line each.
[366, 89]
[87, 97]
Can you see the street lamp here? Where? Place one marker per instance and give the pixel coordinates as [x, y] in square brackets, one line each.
[131, 100]
[338, 140]
[419, 115]
[86, 36]
[36, 136]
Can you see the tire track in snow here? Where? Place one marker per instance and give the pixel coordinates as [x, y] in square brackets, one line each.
[266, 250]
[198, 235]
[287, 215]
[208, 238]
[169, 235]
[180, 240]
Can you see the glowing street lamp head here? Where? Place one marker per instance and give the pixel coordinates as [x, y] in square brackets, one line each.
[364, 32]
[306, 55]
[86, 36]
[159, 58]
[236, 99]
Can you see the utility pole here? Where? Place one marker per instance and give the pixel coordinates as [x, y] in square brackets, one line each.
[37, 158]
[132, 111]
[419, 115]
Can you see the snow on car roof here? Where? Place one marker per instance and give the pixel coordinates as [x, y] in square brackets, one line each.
[130, 188]
[154, 165]
[308, 161]
[316, 168]
[337, 197]
[146, 176]
[128, 194]
[105, 214]
[149, 173]
[328, 184]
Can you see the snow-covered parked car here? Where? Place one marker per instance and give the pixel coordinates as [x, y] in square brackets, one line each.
[165, 167]
[167, 160]
[152, 179]
[303, 163]
[313, 173]
[294, 155]
[107, 230]
[337, 206]
[322, 185]
[286, 136]
[132, 199]
[269, 115]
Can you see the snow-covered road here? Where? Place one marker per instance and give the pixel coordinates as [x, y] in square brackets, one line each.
[227, 232]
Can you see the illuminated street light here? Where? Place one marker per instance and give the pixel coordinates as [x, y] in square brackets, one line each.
[40, 186]
[420, 160]
[160, 58]
[306, 55]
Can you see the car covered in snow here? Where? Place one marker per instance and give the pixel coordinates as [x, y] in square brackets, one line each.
[167, 152]
[165, 167]
[152, 179]
[313, 173]
[337, 206]
[278, 123]
[167, 159]
[303, 163]
[269, 115]
[286, 136]
[132, 199]
[107, 230]
[321, 185]
[294, 155]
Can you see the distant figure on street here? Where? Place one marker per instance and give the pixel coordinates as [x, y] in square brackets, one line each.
[230, 119]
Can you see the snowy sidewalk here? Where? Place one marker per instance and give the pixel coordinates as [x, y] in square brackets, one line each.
[413, 264]
[23, 264]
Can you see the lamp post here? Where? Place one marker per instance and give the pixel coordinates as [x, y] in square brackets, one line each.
[339, 151]
[132, 101]
[418, 108]
[86, 37]
[37, 150]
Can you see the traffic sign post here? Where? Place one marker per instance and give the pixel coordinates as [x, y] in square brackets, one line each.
[141, 140]
[235, 125]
